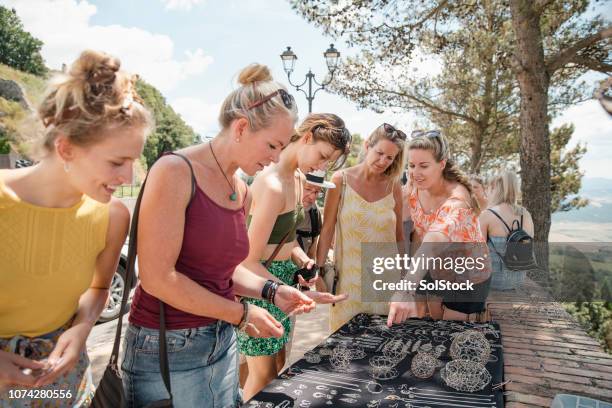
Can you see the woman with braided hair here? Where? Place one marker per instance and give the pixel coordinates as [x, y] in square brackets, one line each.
[445, 214]
[62, 231]
[275, 213]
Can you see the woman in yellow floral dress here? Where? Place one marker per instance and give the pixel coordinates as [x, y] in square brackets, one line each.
[370, 202]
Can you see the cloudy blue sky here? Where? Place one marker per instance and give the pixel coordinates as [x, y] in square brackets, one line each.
[192, 51]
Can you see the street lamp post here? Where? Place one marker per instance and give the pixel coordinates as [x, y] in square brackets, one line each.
[332, 56]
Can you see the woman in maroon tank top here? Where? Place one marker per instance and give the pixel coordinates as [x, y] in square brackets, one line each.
[191, 243]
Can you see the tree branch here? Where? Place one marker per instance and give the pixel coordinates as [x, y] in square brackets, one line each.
[540, 5]
[593, 64]
[563, 57]
[429, 105]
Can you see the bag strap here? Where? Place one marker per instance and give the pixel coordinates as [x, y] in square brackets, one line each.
[501, 219]
[340, 205]
[276, 250]
[163, 351]
[519, 224]
[131, 275]
[338, 243]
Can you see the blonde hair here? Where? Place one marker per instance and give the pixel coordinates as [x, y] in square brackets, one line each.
[504, 188]
[394, 170]
[93, 96]
[477, 178]
[328, 128]
[439, 147]
[256, 83]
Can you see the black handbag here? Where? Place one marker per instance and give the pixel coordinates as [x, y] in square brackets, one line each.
[110, 392]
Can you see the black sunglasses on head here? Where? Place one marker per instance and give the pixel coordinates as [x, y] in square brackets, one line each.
[342, 143]
[390, 130]
[422, 133]
[288, 99]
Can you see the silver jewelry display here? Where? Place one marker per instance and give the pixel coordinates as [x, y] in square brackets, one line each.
[470, 345]
[312, 357]
[465, 375]
[395, 350]
[439, 350]
[348, 400]
[340, 359]
[384, 374]
[423, 365]
[325, 351]
[382, 368]
[356, 352]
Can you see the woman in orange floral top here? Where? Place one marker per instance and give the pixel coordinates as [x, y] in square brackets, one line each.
[445, 216]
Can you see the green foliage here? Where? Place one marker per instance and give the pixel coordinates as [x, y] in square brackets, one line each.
[596, 318]
[33, 85]
[18, 48]
[171, 131]
[565, 171]
[5, 146]
[12, 114]
[356, 145]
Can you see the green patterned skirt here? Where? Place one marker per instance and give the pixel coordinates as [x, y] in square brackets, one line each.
[253, 346]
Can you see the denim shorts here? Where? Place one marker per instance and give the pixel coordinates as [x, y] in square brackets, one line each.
[203, 365]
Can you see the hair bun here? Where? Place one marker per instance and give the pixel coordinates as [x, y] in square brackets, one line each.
[254, 73]
[95, 67]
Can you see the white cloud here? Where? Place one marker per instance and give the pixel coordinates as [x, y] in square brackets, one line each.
[180, 4]
[593, 126]
[148, 54]
[198, 114]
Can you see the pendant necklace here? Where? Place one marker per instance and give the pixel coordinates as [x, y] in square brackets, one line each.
[232, 196]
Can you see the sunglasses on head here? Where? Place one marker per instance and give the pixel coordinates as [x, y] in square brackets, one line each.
[288, 99]
[343, 143]
[390, 130]
[423, 133]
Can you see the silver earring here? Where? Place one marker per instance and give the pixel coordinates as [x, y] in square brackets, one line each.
[66, 167]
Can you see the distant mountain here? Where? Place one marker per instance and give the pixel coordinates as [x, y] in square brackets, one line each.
[599, 191]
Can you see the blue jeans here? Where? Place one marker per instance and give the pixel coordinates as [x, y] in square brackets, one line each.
[203, 366]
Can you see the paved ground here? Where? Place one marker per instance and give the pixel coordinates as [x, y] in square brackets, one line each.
[310, 330]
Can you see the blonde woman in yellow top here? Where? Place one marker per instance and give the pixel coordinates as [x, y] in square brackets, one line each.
[61, 232]
[371, 211]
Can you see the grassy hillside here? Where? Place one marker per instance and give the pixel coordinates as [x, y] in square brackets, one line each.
[12, 113]
[33, 85]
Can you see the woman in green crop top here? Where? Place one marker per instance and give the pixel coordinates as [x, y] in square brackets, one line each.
[276, 210]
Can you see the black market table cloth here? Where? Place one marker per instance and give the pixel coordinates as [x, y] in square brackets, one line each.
[323, 378]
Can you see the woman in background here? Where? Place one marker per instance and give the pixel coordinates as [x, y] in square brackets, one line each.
[504, 213]
[478, 187]
[370, 211]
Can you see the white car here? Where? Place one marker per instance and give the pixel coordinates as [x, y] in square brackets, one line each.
[111, 311]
